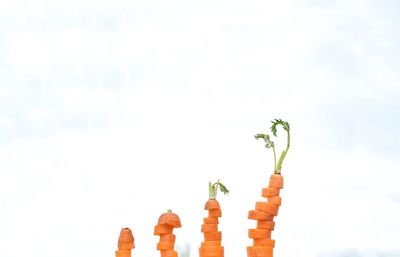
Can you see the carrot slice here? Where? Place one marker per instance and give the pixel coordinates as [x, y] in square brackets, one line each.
[259, 233]
[169, 253]
[123, 253]
[215, 213]
[209, 228]
[165, 246]
[277, 200]
[259, 251]
[212, 204]
[162, 229]
[266, 224]
[126, 240]
[213, 236]
[264, 242]
[211, 243]
[276, 180]
[211, 250]
[259, 215]
[270, 191]
[170, 218]
[167, 238]
[267, 207]
[210, 220]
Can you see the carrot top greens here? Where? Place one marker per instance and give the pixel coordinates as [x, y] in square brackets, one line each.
[270, 144]
[213, 189]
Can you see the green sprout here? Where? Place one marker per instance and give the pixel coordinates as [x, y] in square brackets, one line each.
[213, 189]
[270, 144]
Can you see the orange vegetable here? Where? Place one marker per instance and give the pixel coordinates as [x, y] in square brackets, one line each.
[162, 229]
[169, 253]
[215, 213]
[209, 228]
[211, 204]
[165, 246]
[259, 251]
[167, 238]
[275, 200]
[266, 224]
[123, 253]
[264, 242]
[267, 207]
[211, 243]
[213, 236]
[170, 218]
[126, 240]
[276, 180]
[210, 220]
[259, 215]
[211, 251]
[270, 191]
[259, 233]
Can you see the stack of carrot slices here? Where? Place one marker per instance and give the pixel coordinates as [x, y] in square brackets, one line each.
[264, 213]
[164, 228]
[211, 246]
[126, 243]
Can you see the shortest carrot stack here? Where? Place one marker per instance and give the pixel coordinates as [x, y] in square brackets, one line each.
[211, 246]
[126, 243]
[164, 228]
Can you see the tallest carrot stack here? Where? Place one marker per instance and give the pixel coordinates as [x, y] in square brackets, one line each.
[265, 211]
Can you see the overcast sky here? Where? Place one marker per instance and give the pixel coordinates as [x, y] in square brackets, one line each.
[112, 112]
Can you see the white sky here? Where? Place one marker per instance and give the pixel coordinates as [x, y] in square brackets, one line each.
[112, 112]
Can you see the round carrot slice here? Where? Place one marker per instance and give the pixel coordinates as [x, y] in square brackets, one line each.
[162, 229]
[267, 207]
[270, 191]
[213, 236]
[169, 253]
[126, 240]
[264, 242]
[170, 218]
[211, 243]
[209, 228]
[260, 251]
[277, 200]
[212, 204]
[123, 253]
[276, 180]
[259, 215]
[259, 233]
[215, 213]
[210, 220]
[266, 224]
[211, 251]
[167, 238]
[165, 246]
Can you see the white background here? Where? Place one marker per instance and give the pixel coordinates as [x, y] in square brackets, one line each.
[112, 112]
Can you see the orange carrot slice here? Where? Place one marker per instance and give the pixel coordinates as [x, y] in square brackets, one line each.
[162, 229]
[276, 180]
[270, 191]
[126, 240]
[266, 224]
[211, 251]
[210, 220]
[264, 242]
[277, 200]
[170, 218]
[212, 204]
[267, 207]
[123, 253]
[167, 238]
[259, 233]
[259, 251]
[209, 228]
[215, 213]
[169, 253]
[259, 215]
[213, 236]
[211, 243]
[165, 246]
